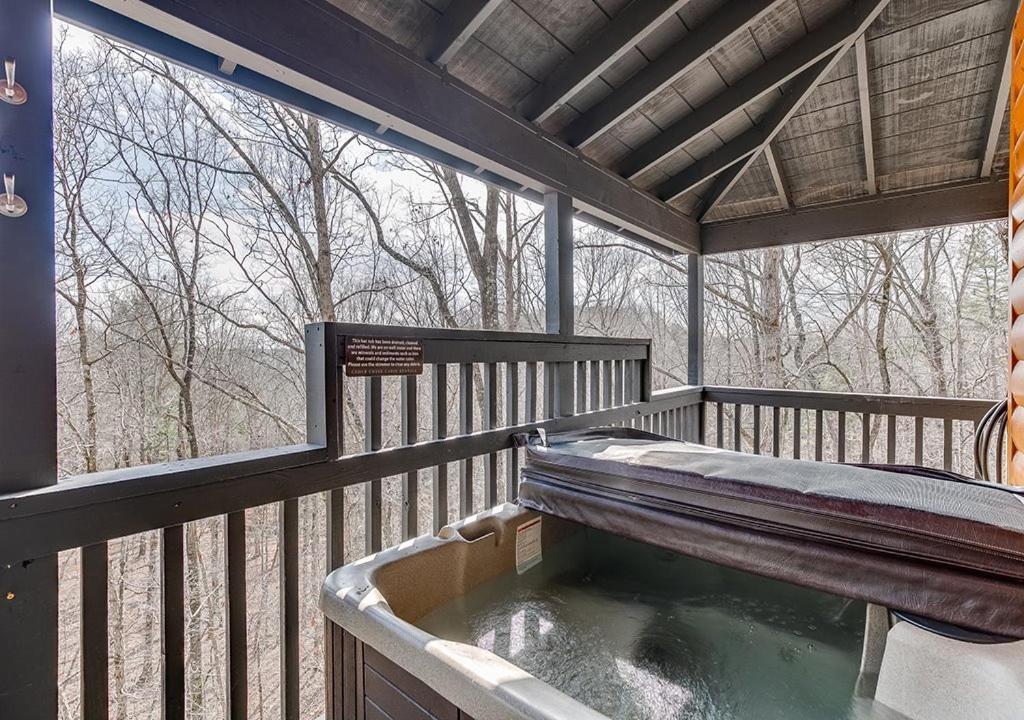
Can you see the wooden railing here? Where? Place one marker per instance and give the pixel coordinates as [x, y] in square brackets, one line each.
[515, 381]
[847, 427]
[500, 384]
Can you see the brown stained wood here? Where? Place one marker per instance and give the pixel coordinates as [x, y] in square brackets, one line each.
[389, 685]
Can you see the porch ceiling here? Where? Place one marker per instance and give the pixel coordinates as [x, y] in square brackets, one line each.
[730, 113]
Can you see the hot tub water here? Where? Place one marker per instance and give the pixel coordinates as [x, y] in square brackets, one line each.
[640, 633]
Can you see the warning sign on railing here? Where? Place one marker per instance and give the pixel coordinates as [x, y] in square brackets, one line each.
[377, 356]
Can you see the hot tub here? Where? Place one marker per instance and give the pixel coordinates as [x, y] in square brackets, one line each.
[516, 613]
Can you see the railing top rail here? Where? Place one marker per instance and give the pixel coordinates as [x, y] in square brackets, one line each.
[102, 506]
[944, 408]
[472, 335]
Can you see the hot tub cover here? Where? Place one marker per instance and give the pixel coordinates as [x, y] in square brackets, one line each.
[921, 541]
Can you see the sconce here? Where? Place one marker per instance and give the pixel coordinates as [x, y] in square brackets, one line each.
[11, 205]
[10, 91]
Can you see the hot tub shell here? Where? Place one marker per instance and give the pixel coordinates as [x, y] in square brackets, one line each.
[394, 669]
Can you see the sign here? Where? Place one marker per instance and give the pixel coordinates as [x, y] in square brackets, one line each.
[377, 356]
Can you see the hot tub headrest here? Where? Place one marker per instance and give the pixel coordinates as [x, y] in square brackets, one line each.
[926, 542]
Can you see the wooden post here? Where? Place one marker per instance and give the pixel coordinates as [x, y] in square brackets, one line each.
[695, 331]
[559, 311]
[28, 388]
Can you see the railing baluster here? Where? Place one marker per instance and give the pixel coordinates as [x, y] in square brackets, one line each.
[595, 384]
[617, 380]
[865, 437]
[172, 558]
[841, 438]
[410, 436]
[776, 431]
[490, 422]
[235, 627]
[757, 429]
[466, 427]
[719, 425]
[919, 440]
[439, 412]
[95, 687]
[737, 422]
[512, 418]
[373, 409]
[947, 444]
[288, 540]
[607, 386]
[797, 427]
[530, 399]
[581, 387]
[984, 461]
[819, 435]
[890, 439]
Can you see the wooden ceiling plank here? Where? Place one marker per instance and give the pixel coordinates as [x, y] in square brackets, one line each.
[997, 108]
[798, 92]
[457, 25]
[732, 18]
[864, 94]
[975, 201]
[627, 28]
[773, 74]
[743, 149]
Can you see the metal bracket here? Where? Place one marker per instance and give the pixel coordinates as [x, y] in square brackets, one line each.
[11, 205]
[10, 91]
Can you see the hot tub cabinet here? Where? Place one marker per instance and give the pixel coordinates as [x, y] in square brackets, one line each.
[387, 608]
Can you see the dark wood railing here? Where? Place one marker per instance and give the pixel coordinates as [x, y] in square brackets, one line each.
[515, 381]
[936, 432]
[518, 382]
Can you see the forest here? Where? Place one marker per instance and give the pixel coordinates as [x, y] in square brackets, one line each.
[200, 227]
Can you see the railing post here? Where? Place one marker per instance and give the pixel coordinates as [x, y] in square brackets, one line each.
[695, 331]
[324, 427]
[28, 421]
[559, 313]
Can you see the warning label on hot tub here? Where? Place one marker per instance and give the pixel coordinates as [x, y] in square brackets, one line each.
[527, 545]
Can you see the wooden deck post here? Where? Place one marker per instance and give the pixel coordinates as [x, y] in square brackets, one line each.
[695, 334]
[28, 420]
[559, 310]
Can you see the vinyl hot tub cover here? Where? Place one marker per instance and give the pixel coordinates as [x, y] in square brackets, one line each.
[925, 542]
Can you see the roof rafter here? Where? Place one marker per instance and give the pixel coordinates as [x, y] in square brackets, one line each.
[796, 94]
[777, 177]
[997, 106]
[864, 95]
[621, 34]
[734, 17]
[457, 25]
[778, 70]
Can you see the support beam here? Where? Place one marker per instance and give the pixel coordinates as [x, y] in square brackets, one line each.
[777, 177]
[28, 420]
[777, 71]
[738, 153]
[622, 33]
[695, 319]
[798, 92]
[732, 18]
[346, 68]
[997, 106]
[559, 313]
[976, 201]
[864, 95]
[457, 25]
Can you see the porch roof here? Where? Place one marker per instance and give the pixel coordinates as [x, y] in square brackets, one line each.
[690, 124]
